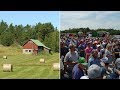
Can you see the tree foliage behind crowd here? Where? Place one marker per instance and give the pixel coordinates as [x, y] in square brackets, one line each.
[19, 34]
[85, 30]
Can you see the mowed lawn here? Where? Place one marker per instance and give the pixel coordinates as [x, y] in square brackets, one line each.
[27, 66]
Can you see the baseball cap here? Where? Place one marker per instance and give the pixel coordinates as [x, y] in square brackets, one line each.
[117, 63]
[94, 71]
[82, 61]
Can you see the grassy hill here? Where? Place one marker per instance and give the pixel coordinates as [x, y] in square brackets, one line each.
[27, 66]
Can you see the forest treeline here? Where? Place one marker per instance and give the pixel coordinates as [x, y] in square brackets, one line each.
[85, 30]
[19, 34]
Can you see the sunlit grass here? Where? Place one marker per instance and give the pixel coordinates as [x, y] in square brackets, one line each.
[27, 66]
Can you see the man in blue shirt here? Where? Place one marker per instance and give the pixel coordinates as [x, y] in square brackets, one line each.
[94, 59]
[78, 69]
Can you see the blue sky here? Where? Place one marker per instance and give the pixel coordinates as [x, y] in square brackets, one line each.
[91, 19]
[30, 17]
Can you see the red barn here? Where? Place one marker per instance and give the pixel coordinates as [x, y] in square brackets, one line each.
[34, 46]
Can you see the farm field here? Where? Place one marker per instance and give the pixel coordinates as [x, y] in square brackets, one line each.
[27, 66]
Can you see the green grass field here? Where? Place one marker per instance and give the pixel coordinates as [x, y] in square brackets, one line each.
[27, 66]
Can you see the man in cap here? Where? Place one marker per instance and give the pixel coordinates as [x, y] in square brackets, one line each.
[79, 69]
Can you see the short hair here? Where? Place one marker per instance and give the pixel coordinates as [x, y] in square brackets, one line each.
[93, 51]
[72, 45]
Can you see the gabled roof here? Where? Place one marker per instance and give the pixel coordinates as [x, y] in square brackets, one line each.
[37, 42]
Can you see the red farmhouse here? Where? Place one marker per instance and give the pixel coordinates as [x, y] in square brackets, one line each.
[34, 46]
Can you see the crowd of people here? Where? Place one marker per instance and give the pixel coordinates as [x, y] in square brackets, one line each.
[87, 57]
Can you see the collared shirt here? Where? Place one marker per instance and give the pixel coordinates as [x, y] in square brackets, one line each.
[71, 56]
[94, 61]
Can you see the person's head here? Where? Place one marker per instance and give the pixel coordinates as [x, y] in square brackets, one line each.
[82, 61]
[87, 41]
[116, 46]
[72, 47]
[98, 47]
[62, 44]
[105, 61]
[99, 42]
[81, 66]
[95, 43]
[89, 44]
[109, 46]
[117, 42]
[95, 53]
[81, 41]
[117, 63]
[87, 38]
[94, 72]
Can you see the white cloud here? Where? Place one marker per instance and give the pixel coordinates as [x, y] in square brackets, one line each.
[104, 14]
[75, 14]
[75, 19]
[91, 19]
